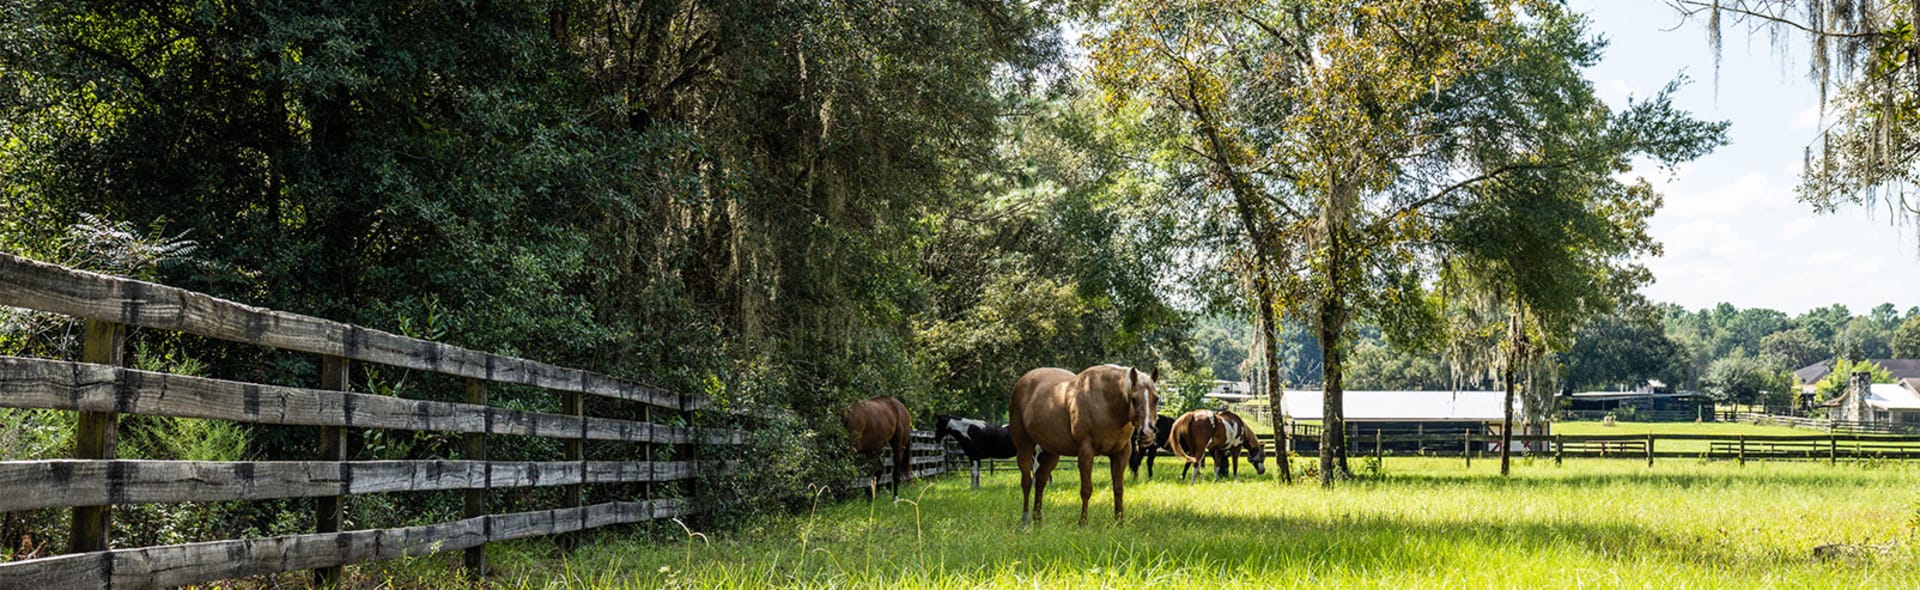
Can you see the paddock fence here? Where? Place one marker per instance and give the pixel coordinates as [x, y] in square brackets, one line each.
[101, 387]
[927, 456]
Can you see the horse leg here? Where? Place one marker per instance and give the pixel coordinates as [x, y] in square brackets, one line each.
[1023, 458]
[902, 464]
[976, 474]
[1151, 451]
[1119, 495]
[1086, 481]
[1043, 474]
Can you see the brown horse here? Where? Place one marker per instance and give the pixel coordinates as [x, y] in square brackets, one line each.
[1102, 411]
[881, 423]
[1222, 434]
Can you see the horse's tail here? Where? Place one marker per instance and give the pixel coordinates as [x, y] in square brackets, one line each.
[1178, 432]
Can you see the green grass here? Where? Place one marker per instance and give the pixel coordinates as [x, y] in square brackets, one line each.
[1426, 523]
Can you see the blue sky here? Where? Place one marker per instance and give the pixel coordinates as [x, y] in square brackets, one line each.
[1731, 228]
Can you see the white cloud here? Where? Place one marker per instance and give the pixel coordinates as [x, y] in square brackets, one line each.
[1796, 229]
[1809, 118]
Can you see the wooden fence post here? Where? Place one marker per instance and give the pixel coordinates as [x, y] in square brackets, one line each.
[1649, 448]
[327, 510]
[1466, 446]
[1376, 447]
[575, 448]
[1833, 448]
[1559, 448]
[97, 434]
[1743, 449]
[476, 498]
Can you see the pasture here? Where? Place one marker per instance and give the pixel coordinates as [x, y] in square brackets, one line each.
[1420, 523]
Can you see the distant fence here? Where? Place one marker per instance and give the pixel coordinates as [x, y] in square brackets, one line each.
[1825, 424]
[1832, 446]
[100, 388]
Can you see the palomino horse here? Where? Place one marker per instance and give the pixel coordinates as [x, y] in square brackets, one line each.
[881, 423]
[978, 439]
[1161, 426]
[1101, 412]
[1219, 433]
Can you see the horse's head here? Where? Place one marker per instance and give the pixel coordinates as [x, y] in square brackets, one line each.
[1143, 395]
[1257, 454]
[941, 424]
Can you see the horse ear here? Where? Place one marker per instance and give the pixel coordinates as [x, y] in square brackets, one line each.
[1156, 375]
[1133, 376]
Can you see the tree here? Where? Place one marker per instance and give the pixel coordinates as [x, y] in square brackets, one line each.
[1621, 349]
[1861, 339]
[1743, 379]
[1906, 339]
[1792, 349]
[1863, 61]
[1357, 130]
[1835, 383]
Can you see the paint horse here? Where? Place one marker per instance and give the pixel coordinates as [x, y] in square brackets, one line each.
[1222, 434]
[1102, 411]
[1161, 426]
[978, 439]
[882, 424]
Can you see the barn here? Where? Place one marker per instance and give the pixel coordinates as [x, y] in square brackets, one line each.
[1390, 413]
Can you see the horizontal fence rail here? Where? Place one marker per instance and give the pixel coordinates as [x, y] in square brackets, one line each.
[101, 388]
[927, 456]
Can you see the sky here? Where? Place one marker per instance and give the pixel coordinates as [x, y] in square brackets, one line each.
[1731, 229]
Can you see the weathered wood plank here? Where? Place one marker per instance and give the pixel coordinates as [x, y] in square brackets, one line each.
[32, 485]
[78, 570]
[60, 385]
[179, 565]
[45, 287]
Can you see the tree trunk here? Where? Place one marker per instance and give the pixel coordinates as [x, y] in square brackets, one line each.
[1270, 363]
[1516, 341]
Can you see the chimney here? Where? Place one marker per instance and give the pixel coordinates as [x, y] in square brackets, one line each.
[1858, 384]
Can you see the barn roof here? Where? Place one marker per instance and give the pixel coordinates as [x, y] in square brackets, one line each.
[1404, 406]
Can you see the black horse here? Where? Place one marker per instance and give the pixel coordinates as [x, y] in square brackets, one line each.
[977, 438]
[1161, 426]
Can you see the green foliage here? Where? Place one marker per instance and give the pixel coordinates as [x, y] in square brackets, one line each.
[1745, 379]
[1835, 383]
[1905, 343]
[1186, 391]
[1792, 349]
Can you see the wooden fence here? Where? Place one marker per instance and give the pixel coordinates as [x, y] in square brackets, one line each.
[928, 456]
[1825, 424]
[101, 388]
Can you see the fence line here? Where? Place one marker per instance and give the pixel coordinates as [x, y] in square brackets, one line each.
[100, 389]
[1825, 424]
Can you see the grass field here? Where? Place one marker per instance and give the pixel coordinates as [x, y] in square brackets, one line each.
[1423, 523]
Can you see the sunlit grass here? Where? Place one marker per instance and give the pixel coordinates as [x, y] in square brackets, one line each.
[1428, 523]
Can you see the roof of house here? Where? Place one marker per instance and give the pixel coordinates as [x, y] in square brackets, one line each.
[1901, 369]
[1404, 406]
[1893, 396]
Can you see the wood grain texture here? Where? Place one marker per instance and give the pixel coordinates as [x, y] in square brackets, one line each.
[178, 565]
[60, 385]
[31, 485]
[55, 289]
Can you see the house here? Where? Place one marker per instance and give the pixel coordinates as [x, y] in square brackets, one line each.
[1390, 413]
[1882, 403]
[1806, 377]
